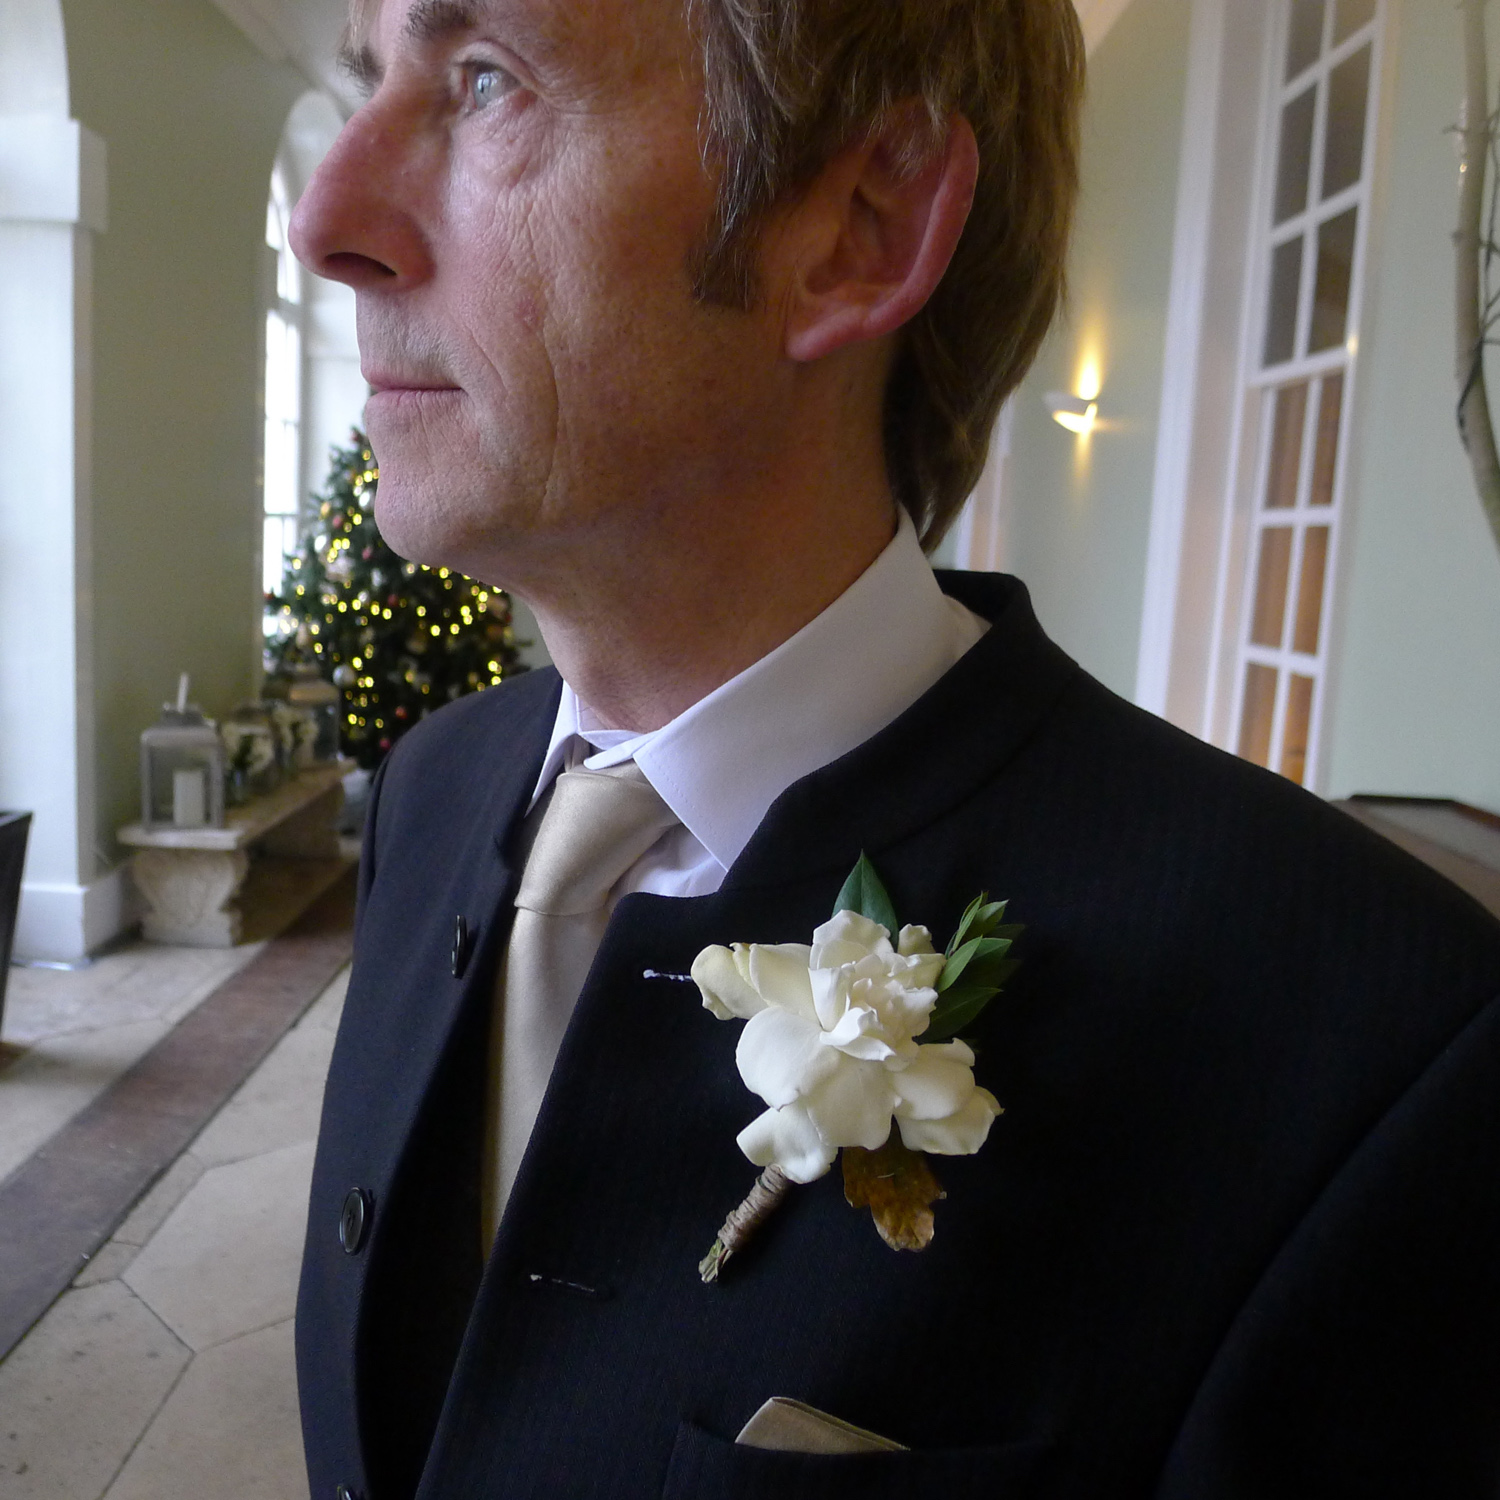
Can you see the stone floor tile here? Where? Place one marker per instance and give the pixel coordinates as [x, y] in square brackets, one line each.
[225, 1262]
[106, 1263]
[228, 1432]
[280, 1103]
[151, 1212]
[140, 982]
[55, 1079]
[79, 1390]
[329, 1006]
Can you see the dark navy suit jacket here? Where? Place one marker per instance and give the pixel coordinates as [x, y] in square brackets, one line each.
[1237, 1233]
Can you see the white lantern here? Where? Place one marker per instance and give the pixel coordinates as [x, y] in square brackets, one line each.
[182, 768]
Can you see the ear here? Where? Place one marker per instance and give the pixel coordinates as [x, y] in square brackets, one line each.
[866, 245]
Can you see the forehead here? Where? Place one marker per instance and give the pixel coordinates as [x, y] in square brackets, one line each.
[379, 28]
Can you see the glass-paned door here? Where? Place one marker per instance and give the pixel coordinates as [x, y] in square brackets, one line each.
[281, 459]
[1320, 140]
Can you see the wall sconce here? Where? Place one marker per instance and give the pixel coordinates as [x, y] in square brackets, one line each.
[1072, 412]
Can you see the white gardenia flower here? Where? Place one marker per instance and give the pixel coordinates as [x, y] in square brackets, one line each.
[830, 1044]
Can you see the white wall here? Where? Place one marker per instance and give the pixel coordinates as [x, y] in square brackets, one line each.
[1415, 706]
[129, 363]
[1076, 511]
[52, 203]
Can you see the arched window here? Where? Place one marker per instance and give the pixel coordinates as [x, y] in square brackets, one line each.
[282, 461]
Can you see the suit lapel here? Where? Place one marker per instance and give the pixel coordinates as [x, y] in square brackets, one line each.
[453, 867]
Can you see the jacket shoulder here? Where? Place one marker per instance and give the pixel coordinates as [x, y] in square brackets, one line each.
[460, 741]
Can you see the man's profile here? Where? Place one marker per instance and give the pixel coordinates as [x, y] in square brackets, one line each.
[687, 322]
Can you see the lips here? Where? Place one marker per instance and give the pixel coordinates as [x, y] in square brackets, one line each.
[383, 381]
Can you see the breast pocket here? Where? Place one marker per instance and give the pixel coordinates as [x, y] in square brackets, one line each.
[705, 1467]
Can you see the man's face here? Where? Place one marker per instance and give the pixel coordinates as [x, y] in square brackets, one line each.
[516, 207]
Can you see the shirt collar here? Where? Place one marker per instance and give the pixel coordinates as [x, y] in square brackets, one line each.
[844, 676]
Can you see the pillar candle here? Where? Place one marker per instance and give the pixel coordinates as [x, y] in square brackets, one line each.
[189, 799]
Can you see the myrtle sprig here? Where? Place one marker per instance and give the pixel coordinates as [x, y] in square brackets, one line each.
[977, 961]
[977, 966]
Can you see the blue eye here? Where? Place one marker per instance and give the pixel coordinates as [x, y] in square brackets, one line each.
[489, 83]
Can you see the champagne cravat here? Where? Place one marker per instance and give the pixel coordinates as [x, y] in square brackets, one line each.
[592, 828]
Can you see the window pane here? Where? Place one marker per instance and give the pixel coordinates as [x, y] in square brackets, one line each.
[1304, 36]
[1310, 590]
[1331, 290]
[1344, 144]
[1281, 311]
[1299, 697]
[288, 277]
[1271, 585]
[1257, 713]
[1350, 16]
[278, 541]
[1325, 456]
[1295, 155]
[283, 369]
[1286, 447]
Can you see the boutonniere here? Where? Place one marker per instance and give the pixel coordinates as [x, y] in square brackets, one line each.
[852, 1043]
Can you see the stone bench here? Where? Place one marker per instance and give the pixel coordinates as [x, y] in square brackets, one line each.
[198, 882]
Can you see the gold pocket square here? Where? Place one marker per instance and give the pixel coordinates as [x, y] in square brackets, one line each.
[789, 1426]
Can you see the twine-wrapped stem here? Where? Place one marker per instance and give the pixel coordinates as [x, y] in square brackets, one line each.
[770, 1187]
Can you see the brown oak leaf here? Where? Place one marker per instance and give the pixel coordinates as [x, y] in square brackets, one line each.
[899, 1188]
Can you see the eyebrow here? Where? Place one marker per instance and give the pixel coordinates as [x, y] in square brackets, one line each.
[429, 22]
[434, 20]
[361, 65]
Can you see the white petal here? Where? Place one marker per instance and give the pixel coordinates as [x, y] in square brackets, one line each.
[914, 940]
[921, 970]
[780, 1056]
[901, 1056]
[830, 992]
[790, 1139]
[779, 973]
[846, 938]
[937, 1083]
[725, 990]
[960, 1134]
[856, 1031]
[852, 1107]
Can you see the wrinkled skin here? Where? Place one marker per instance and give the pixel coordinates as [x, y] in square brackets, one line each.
[516, 207]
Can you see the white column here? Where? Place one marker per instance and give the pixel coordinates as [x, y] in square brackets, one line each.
[52, 203]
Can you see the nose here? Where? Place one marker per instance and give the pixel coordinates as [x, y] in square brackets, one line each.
[358, 222]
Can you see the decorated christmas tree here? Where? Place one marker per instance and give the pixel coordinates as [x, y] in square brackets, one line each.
[397, 638]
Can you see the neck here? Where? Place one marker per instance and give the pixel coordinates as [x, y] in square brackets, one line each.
[646, 621]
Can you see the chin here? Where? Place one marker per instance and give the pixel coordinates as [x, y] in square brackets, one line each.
[428, 521]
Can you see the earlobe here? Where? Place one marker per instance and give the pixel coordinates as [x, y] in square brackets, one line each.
[881, 237]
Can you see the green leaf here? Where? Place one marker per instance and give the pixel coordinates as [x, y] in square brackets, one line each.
[960, 1007]
[989, 961]
[993, 971]
[977, 921]
[957, 961]
[975, 952]
[864, 893]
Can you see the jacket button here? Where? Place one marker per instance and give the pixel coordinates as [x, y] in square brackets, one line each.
[461, 947]
[354, 1220]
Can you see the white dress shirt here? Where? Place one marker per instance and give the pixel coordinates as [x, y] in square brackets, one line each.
[720, 764]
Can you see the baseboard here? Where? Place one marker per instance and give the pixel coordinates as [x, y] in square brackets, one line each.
[64, 923]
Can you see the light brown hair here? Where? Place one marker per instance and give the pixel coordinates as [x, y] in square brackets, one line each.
[789, 82]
